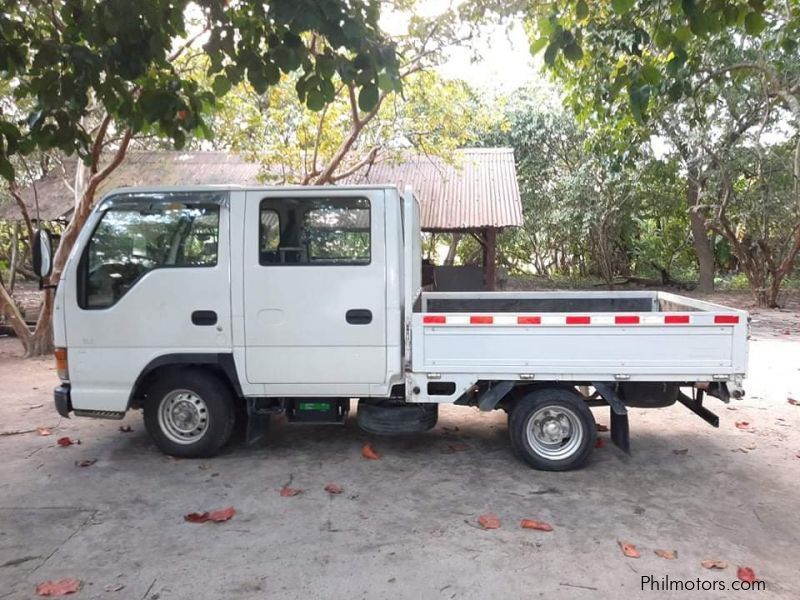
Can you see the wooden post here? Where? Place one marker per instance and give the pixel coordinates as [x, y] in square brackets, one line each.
[490, 258]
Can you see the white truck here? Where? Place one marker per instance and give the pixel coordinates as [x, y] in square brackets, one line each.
[206, 305]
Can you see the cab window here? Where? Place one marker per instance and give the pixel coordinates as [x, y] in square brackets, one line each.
[133, 239]
[314, 231]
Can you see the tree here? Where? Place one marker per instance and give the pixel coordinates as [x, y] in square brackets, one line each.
[629, 66]
[99, 73]
[586, 213]
[298, 144]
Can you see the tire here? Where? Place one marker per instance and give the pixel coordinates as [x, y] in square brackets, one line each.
[396, 418]
[539, 447]
[197, 398]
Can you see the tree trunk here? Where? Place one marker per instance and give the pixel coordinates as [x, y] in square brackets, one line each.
[12, 276]
[15, 318]
[702, 245]
[452, 250]
[41, 341]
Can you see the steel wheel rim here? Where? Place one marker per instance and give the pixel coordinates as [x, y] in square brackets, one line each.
[554, 432]
[183, 416]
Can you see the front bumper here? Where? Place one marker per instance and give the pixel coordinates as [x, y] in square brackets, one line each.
[62, 399]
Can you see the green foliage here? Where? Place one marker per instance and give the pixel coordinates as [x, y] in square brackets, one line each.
[616, 56]
[295, 143]
[67, 56]
[586, 212]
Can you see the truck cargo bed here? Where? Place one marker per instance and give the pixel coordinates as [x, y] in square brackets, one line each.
[578, 336]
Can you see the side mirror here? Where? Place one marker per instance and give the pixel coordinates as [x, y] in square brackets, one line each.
[42, 253]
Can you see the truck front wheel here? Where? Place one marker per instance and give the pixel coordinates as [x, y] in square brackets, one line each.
[189, 413]
[552, 430]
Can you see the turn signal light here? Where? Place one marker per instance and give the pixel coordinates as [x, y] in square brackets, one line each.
[61, 364]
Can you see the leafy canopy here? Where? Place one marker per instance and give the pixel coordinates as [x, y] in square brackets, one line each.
[65, 57]
[616, 56]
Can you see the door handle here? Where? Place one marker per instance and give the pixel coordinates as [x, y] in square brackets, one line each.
[358, 316]
[204, 317]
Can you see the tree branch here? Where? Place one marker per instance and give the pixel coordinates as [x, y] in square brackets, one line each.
[367, 160]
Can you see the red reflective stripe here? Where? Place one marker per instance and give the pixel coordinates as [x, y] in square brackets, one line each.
[578, 320]
[676, 319]
[429, 319]
[481, 320]
[529, 320]
[626, 320]
[726, 319]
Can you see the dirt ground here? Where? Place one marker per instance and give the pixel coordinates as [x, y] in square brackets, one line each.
[405, 525]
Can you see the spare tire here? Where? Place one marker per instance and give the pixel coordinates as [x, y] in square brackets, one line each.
[391, 417]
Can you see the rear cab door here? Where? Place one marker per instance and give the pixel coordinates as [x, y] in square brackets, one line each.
[314, 301]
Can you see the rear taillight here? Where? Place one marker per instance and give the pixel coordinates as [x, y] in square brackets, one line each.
[62, 367]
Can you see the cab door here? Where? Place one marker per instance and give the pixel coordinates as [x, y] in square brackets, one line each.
[150, 277]
[315, 291]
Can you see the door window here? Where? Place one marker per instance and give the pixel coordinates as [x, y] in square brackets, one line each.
[134, 238]
[314, 231]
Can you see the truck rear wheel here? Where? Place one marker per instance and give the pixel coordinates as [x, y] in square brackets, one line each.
[552, 430]
[189, 413]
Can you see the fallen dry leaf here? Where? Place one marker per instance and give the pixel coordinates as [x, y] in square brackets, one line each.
[333, 488]
[713, 564]
[629, 549]
[742, 424]
[453, 448]
[668, 554]
[793, 401]
[44, 431]
[601, 427]
[125, 428]
[217, 516]
[746, 574]
[196, 517]
[223, 514]
[489, 521]
[86, 462]
[537, 525]
[65, 441]
[599, 443]
[681, 451]
[369, 452]
[288, 492]
[60, 587]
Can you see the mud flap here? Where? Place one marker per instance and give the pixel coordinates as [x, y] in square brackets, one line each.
[620, 429]
[257, 421]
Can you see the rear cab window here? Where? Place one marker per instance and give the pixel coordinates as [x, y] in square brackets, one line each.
[138, 234]
[315, 231]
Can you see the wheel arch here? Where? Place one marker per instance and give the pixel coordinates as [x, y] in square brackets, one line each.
[222, 363]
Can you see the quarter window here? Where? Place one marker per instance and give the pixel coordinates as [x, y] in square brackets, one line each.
[314, 231]
[135, 238]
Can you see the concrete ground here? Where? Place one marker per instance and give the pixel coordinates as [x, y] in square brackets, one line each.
[406, 525]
